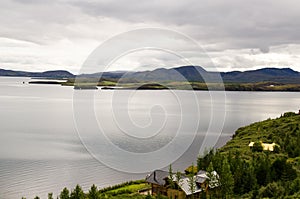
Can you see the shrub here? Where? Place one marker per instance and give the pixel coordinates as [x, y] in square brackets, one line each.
[272, 190]
[257, 147]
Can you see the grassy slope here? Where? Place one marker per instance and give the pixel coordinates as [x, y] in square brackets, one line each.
[125, 190]
[284, 131]
[134, 188]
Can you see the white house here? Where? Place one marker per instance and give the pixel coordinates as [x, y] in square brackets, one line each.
[266, 146]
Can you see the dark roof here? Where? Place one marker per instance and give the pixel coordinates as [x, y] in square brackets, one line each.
[157, 177]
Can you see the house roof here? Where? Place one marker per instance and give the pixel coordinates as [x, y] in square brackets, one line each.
[201, 176]
[265, 146]
[201, 172]
[200, 179]
[184, 184]
[157, 177]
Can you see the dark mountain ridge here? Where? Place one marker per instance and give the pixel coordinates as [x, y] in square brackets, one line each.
[284, 75]
[198, 74]
[181, 73]
[46, 74]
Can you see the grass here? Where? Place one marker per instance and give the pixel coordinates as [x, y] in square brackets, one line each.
[126, 190]
[134, 188]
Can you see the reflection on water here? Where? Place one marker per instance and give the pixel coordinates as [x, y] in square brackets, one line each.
[40, 150]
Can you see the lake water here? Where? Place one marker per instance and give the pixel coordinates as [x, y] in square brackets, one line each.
[53, 136]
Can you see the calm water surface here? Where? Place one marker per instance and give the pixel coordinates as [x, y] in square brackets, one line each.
[40, 150]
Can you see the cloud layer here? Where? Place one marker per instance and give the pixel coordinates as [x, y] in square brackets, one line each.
[237, 35]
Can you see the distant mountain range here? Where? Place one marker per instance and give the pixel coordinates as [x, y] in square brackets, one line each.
[182, 73]
[283, 75]
[46, 74]
[198, 74]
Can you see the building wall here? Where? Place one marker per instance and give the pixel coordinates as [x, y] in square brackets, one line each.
[159, 190]
[176, 194]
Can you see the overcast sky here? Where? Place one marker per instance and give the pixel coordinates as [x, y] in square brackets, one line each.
[39, 35]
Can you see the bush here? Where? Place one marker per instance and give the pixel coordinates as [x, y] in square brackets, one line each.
[289, 114]
[276, 149]
[257, 147]
[295, 187]
[272, 190]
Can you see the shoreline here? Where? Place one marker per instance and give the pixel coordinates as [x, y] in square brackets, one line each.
[248, 87]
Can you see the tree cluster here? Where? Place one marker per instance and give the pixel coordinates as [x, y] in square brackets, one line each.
[258, 177]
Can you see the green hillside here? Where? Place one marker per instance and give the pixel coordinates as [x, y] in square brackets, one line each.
[284, 131]
[256, 172]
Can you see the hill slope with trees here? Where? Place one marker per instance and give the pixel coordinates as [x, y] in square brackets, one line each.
[254, 172]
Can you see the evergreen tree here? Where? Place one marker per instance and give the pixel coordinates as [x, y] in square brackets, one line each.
[178, 177]
[268, 168]
[203, 161]
[237, 170]
[192, 184]
[217, 162]
[171, 178]
[50, 195]
[281, 170]
[226, 180]
[289, 173]
[65, 194]
[77, 193]
[262, 169]
[212, 180]
[272, 190]
[294, 187]
[277, 168]
[93, 193]
[250, 182]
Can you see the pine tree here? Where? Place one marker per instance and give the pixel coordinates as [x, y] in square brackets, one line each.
[50, 195]
[192, 185]
[178, 177]
[262, 169]
[226, 180]
[217, 162]
[211, 182]
[171, 178]
[77, 193]
[65, 194]
[250, 182]
[93, 193]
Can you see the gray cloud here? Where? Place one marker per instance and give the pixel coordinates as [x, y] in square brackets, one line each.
[216, 25]
[246, 24]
